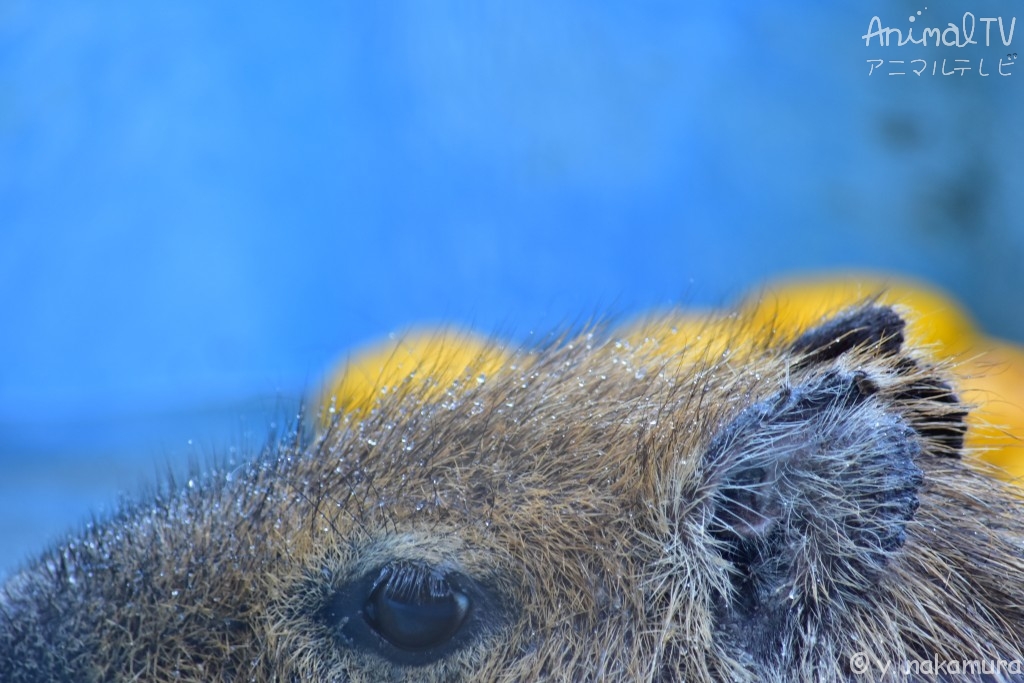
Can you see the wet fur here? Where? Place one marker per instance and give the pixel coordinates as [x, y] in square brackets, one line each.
[622, 512]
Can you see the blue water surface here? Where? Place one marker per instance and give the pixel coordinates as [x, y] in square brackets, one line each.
[203, 205]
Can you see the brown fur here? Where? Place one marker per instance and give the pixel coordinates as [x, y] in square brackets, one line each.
[614, 512]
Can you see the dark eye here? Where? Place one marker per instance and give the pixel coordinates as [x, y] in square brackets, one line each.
[415, 607]
[412, 613]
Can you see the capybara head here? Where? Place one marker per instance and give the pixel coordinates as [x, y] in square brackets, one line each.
[744, 506]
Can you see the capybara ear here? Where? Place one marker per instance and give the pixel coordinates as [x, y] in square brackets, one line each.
[931, 404]
[816, 486]
[866, 326]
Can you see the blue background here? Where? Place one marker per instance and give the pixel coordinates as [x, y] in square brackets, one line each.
[204, 205]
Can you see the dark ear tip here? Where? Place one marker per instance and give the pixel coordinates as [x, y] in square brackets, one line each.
[867, 325]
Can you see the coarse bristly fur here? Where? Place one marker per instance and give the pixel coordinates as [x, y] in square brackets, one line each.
[765, 509]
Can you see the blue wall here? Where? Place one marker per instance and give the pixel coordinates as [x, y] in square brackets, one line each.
[202, 205]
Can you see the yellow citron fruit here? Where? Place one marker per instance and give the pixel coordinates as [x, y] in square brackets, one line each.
[933, 320]
[788, 309]
[685, 338]
[993, 382]
[990, 373]
[430, 362]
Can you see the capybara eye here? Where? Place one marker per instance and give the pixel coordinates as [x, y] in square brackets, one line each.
[415, 607]
[412, 612]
